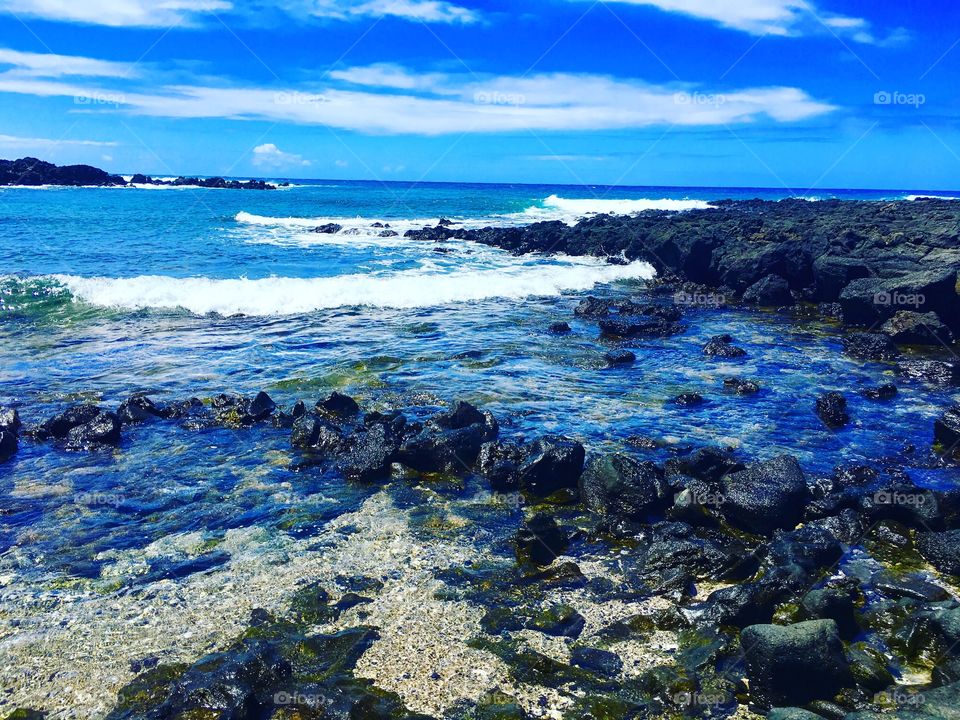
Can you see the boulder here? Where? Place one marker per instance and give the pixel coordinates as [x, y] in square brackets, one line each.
[541, 540]
[640, 327]
[328, 229]
[794, 664]
[914, 328]
[871, 300]
[262, 406]
[499, 463]
[371, 456]
[766, 496]
[600, 662]
[621, 486]
[592, 307]
[559, 328]
[833, 603]
[870, 346]
[137, 409]
[832, 410]
[689, 399]
[10, 420]
[316, 434]
[741, 386]
[60, 425]
[884, 392]
[551, 463]
[770, 291]
[338, 406]
[452, 451]
[832, 274]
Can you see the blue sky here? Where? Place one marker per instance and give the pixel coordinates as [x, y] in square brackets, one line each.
[802, 94]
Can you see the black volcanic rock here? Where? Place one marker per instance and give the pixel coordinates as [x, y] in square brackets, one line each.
[832, 410]
[30, 171]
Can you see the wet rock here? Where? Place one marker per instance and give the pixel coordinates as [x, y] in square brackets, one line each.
[328, 229]
[935, 372]
[884, 392]
[832, 410]
[262, 406]
[619, 485]
[869, 300]
[600, 662]
[640, 327]
[137, 409]
[10, 420]
[906, 503]
[833, 603]
[908, 587]
[104, 429]
[676, 550]
[560, 620]
[914, 328]
[689, 399]
[870, 346]
[946, 430]
[60, 425]
[442, 451]
[770, 291]
[592, 307]
[869, 668]
[541, 540]
[192, 413]
[388, 233]
[551, 463]
[941, 549]
[620, 357]
[371, 456]
[708, 464]
[832, 274]
[314, 433]
[463, 415]
[559, 328]
[766, 496]
[338, 406]
[794, 664]
[721, 346]
[741, 386]
[499, 462]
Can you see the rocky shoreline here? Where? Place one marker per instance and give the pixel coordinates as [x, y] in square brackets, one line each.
[33, 173]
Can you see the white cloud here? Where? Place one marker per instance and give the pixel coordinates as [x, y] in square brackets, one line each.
[437, 104]
[773, 17]
[270, 156]
[23, 143]
[186, 13]
[117, 13]
[26, 64]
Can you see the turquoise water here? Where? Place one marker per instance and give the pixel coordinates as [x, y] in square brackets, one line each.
[186, 292]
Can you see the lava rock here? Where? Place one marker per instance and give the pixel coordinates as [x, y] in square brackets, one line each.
[770, 291]
[10, 420]
[338, 406]
[621, 486]
[941, 549]
[721, 346]
[9, 444]
[914, 328]
[551, 463]
[640, 327]
[137, 409]
[620, 357]
[833, 603]
[315, 434]
[689, 400]
[766, 496]
[592, 307]
[328, 229]
[794, 664]
[600, 662]
[104, 429]
[60, 425]
[558, 620]
[832, 410]
[499, 462]
[541, 540]
[870, 346]
[887, 391]
[559, 328]
[262, 406]
[741, 386]
[371, 456]
[442, 451]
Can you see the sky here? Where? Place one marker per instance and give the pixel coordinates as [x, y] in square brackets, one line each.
[794, 94]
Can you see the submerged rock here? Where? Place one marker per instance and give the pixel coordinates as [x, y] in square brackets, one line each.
[620, 357]
[884, 392]
[541, 540]
[832, 410]
[794, 664]
[8, 444]
[936, 372]
[690, 399]
[104, 429]
[559, 328]
[741, 386]
[640, 327]
[592, 307]
[138, 409]
[721, 346]
[328, 229]
[946, 430]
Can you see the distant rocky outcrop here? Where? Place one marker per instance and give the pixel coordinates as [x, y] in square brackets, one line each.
[32, 172]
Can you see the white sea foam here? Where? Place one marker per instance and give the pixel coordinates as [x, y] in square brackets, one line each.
[570, 210]
[421, 287]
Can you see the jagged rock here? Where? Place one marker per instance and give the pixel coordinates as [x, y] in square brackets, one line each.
[870, 346]
[689, 399]
[541, 540]
[592, 307]
[137, 409]
[914, 328]
[770, 291]
[314, 433]
[338, 406]
[559, 328]
[103, 429]
[721, 346]
[551, 463]
[328, 229]
[887, 391]
[60, 425]
[941, 549]
[640, 327]
[741, 386]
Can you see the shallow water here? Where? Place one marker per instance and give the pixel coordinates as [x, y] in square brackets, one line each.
[110, 291]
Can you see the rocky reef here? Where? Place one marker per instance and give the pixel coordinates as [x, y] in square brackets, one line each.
[32, 172]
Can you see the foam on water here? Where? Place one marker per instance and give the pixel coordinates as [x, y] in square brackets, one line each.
[426, 286]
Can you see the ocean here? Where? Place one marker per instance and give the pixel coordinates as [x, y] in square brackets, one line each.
[185, 292]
